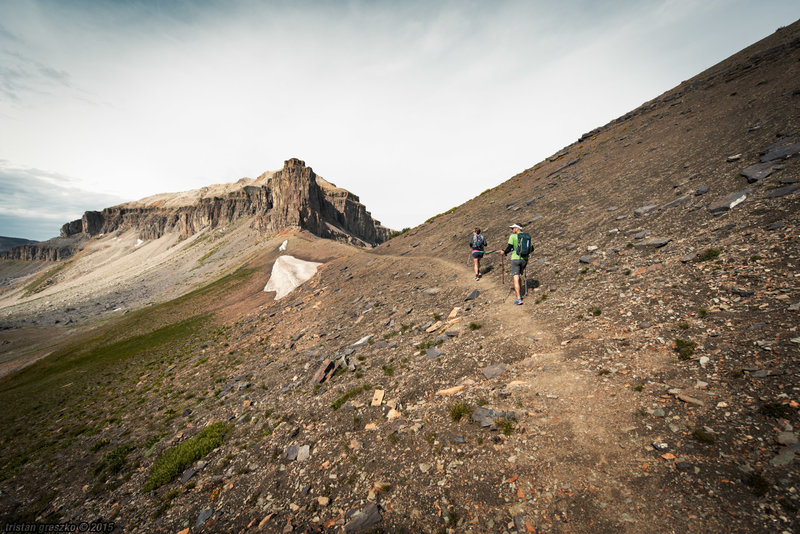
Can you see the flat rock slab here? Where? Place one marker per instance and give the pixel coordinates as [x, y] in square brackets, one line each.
[781, 150]
[783, 191]
[728, 202]
[588, 259]
[644, 210]
[677, 202]
[473, 295]
[656, 242]
[364, 519]
[493, 371]
[757, 172]
[486, 416]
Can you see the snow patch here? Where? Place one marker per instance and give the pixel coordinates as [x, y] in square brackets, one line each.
[139, 242]
[283, 245]
[288, 273]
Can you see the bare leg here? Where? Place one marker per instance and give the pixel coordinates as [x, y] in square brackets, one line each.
[516, 285]
[477, 262]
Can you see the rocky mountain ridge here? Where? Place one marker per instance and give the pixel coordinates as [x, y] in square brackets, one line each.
[291, 197]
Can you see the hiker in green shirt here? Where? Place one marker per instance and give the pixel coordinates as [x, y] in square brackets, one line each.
[519, 244]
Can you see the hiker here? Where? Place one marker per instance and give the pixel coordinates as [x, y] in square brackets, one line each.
[477, 243]
[519, 244]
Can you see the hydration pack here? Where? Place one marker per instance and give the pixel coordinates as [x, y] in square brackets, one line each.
[524, 246]
[477, 242]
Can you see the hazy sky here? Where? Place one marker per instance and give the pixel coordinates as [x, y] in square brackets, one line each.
[414, 106]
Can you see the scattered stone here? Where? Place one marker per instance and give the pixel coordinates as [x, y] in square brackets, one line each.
[377, 397]
[787, 438]
[291, 452]
[493, 371]
[486, 416]
[450, 391]
[188, 474]
[323, 501]
[785, 457]
[588, 259]
[204, 516]
[702, 190]
[433, 352]
[677, 202]
[659, 412]
[783, 149]
[473, 295]
[656, 242]
[757, 172]
[690, 400]
[735, 157]
[660, 446]
[729, 202]
[363, 341]
[644, 210]
[303, 453]
[364, 519]
[783, 191]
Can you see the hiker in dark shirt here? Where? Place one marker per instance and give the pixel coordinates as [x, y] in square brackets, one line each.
[477, 243]
[519, 259]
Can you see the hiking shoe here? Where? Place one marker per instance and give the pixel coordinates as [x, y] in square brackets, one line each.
[477, 278]
[518, 302]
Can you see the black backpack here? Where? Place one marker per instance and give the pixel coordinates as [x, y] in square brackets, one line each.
[477, 242]
[524, 246]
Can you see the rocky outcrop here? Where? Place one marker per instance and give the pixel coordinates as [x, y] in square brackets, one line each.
[51, 250]
[292, 197]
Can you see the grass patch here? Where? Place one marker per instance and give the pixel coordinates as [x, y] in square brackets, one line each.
[459, 410]
[349, 395]
[475, 326]
[505, 426]
[425, 345]
[683, 326]
[594, 310]
[702, 436]
[176, 459]
[685, 348]
[388, 370]
[709, 254]
[702, 312]
[46, 279]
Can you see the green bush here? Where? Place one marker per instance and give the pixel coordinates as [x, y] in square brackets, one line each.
[176, 459]
[709, 254]
[685, 348]
[459, 410]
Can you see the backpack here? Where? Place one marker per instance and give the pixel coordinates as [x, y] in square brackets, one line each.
[524, 246]
[477, 242]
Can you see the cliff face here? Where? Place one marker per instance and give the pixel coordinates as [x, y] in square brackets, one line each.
[293, 196]
[51, 250]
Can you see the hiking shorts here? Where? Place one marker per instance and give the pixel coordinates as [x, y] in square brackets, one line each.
[477, 253]
[517, 266]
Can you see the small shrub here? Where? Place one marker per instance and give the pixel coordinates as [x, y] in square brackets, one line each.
[603, 372]
[709, 254]
[685, 348]
[388, 370]
[176, 459]
[349, 395]
[505, 426]
[459, 410]
[702, 312]
[702, 436]
[394, 438]
[757, 483]
[437, 316]
[683, 326]
[115, 459]
[474, 326]
[639, 388]
[594, 310]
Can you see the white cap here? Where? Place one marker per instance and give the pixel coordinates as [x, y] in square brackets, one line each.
[515, 225]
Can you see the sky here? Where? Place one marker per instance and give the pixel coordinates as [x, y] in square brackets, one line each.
[414, 106]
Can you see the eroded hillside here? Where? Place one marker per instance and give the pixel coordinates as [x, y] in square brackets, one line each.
[649, 381]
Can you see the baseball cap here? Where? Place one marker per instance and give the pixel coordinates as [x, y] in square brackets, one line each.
[515, 225]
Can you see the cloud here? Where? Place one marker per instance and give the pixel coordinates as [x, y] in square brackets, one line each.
[34, 204]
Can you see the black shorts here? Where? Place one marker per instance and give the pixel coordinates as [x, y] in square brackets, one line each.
[517, 266]
[477, 253]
